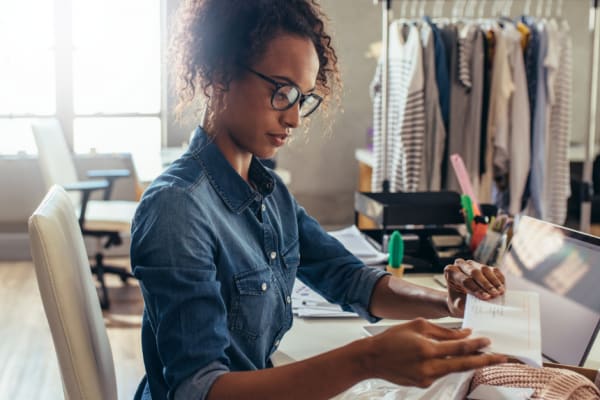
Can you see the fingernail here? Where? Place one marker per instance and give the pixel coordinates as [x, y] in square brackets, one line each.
[485, 295]
[495, 292]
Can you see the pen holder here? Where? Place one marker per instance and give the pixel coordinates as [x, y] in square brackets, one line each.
[398, 272]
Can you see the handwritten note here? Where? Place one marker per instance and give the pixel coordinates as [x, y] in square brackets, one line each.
[511, 322]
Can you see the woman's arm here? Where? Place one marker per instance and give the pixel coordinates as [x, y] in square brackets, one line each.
[397, 299]
[413, 354]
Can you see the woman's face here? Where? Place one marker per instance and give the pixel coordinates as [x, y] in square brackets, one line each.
[248, 123]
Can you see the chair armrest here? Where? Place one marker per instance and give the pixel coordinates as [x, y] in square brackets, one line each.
[86, 188]
[110, 175]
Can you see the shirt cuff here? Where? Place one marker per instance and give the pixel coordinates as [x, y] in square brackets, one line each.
[198, 385]
[369, 276]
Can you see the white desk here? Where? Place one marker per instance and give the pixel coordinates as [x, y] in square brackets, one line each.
[309, 337]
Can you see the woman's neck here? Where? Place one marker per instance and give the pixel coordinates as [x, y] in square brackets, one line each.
[238, 158]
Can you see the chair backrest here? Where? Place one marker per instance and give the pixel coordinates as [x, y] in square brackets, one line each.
[55, 158]
[70, 300]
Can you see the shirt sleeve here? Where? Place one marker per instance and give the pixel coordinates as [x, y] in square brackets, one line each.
[172, 256]
[331, 270]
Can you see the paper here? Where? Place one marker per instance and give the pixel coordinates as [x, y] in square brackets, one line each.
[488, 392]
[307, 303]
[511, 322]
[354, 241]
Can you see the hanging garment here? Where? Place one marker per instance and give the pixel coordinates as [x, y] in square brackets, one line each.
[497, 157]
[441, 72]
[435, 133]
[406, 112]
[531, 70]
[519, 115]
[466, 103]
[488, 61]
[558, 188]
[538, 145]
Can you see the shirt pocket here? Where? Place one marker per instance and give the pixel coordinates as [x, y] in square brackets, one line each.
[291, 260]
[256, 304]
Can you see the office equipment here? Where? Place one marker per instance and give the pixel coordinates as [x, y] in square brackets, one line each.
[70, 300]
[562, 266]
[101, 219]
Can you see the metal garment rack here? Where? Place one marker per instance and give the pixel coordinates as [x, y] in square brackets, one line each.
[590, 147]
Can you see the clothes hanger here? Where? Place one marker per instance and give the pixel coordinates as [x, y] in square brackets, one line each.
[549, 9]
[527, 8]
[422, 10]
[540, 8]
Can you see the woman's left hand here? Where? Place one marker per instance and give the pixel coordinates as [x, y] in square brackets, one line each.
[471, 277]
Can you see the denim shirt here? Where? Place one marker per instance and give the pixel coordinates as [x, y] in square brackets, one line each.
[216, 261]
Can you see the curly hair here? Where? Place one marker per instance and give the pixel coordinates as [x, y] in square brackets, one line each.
[214, 37]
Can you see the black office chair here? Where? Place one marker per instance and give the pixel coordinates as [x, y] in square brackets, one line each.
[104, 219]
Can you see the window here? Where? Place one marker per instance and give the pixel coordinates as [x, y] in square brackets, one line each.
[27, 73]
[106, 84]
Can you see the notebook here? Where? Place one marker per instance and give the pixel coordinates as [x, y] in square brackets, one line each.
[563, 267]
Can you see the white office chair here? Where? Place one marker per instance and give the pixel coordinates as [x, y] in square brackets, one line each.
[102, 219]
[70, 300]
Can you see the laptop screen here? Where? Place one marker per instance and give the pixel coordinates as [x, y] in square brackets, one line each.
[563, 266]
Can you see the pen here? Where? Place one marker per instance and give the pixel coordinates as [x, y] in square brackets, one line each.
[467, 205]
[396, 254]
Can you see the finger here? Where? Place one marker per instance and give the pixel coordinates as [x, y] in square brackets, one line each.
[442, 366]
[483, 282]
[493, 278]
[438, 332]
[464, 347]
[500, 276]
[465, 284]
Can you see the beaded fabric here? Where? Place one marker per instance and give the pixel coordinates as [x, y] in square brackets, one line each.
[549, 383]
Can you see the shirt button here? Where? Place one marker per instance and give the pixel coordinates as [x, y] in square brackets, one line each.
[288, 299]
[277, 343]
[263, 287]
[263, 208]
[273, 255]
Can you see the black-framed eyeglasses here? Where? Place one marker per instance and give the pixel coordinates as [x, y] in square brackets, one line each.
[286, 95]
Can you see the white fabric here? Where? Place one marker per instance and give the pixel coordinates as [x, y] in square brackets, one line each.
[70, 300]
[498, 137]
[558, 188]
[453, 386]
[520, 121]
[406, 113]
[435, 132]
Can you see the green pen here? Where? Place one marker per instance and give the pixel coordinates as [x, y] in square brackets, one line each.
[396, 253]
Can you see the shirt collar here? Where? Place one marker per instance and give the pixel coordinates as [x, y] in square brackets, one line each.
[230, 186]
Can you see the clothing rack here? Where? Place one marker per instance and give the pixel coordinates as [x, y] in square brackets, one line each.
[587, 184]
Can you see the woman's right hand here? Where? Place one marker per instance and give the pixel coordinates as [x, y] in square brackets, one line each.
[419, 352]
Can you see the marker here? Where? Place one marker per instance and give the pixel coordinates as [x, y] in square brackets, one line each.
[396, 252]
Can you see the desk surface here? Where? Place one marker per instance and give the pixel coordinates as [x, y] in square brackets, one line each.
[309, 337]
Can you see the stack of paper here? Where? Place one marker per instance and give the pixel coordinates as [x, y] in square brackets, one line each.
[307, 303]
[511, 322]
[354, 241]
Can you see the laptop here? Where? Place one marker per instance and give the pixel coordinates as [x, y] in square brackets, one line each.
[563, 266]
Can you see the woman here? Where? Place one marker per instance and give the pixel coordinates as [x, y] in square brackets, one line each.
[218, 240]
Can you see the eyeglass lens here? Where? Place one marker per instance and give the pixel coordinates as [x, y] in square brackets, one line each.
[288, 95]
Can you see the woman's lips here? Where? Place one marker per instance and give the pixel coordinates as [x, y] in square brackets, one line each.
[278, 139]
